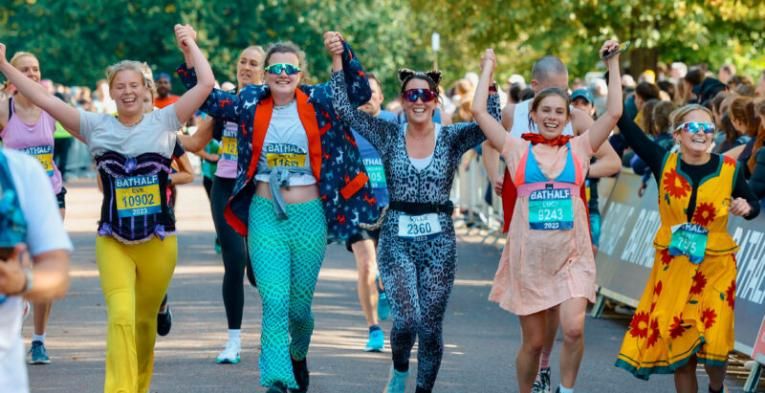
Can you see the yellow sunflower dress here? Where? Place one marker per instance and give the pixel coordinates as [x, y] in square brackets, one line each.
[687, 305]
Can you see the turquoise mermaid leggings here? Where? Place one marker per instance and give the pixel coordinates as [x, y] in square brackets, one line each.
[286, 256]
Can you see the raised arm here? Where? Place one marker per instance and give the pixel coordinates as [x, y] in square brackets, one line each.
[200, 138]
[343, 59]
[68, 116]
[377, 131]
[606, 122]
[190, 101]
[491, 127]
[185, 174]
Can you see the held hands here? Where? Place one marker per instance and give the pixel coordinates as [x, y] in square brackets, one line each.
[333, 41]
[607, 50]
[186, 36]
[488, 61]
[12, 277]
[740, 207]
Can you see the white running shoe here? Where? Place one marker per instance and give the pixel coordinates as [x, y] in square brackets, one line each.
[230, 354]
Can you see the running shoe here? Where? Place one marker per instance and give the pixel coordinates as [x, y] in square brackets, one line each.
[230, 354]
[277, 387]
[542, 383]
[383, 305]
[302, 376]
[38, 354]
[396, 381]
[164, 319]
[376, 341]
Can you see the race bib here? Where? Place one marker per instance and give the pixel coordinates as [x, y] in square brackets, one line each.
[689, 240]
[551, 209]
[43, 154]
[138, 196]
[418, 227]
[228, 142]
[285, 159]
[376, 172]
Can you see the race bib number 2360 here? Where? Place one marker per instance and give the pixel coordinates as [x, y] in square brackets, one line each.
[418, 227]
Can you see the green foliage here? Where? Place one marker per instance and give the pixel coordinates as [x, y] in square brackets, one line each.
[76, 39]
[712, 31]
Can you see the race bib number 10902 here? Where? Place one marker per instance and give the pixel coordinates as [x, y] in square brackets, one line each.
[137, 196]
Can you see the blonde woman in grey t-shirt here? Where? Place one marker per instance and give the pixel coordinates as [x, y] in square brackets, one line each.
[136, 249]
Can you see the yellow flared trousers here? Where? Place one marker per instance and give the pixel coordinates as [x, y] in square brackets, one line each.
[134, 279]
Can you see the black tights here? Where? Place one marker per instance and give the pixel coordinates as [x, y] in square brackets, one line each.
[233, 251]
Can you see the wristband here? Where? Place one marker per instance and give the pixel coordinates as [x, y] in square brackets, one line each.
[28, 280]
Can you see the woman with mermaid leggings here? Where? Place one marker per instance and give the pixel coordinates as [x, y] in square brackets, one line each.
[300, 183]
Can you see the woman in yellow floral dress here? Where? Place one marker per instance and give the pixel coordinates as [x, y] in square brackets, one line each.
[685, 315]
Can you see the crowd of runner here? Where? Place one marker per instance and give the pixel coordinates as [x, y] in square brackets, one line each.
[290, 167]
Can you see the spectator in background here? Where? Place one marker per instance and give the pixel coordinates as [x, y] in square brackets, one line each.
[738, 80]
[677, 71]
[643, 92]
[760, 90]
[647, 120]
[164, 88]
[707, 90]
[668, 89]
[647, 76]
[746, 89]
[726, 72]
[757, 181]
[599, 90]
[692, 79]
[744, 119]
[527, 94]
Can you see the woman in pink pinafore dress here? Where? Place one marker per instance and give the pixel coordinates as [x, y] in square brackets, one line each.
[548, 259]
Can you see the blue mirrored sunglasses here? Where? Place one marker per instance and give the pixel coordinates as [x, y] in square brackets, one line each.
[695, 127]
[276, 69]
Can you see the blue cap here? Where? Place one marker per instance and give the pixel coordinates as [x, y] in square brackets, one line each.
[582, 93]
[163, 75]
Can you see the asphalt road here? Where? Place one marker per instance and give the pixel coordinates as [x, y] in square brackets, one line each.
[481, 339]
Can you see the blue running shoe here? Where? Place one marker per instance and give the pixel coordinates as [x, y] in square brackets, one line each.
[396, 381]
[376, 341]
[38, 354]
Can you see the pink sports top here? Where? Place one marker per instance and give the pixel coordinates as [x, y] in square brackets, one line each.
[34, 139]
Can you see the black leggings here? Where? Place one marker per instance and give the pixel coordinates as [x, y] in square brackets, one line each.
[234, 253]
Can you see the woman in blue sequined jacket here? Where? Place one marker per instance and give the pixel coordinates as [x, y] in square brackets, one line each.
[300, 183]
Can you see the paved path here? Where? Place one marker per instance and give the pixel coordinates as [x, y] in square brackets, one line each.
[481, 340]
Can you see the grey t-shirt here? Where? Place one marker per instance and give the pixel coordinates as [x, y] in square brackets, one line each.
[155, 133]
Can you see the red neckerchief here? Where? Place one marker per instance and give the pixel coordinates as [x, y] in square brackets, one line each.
[560, 140]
